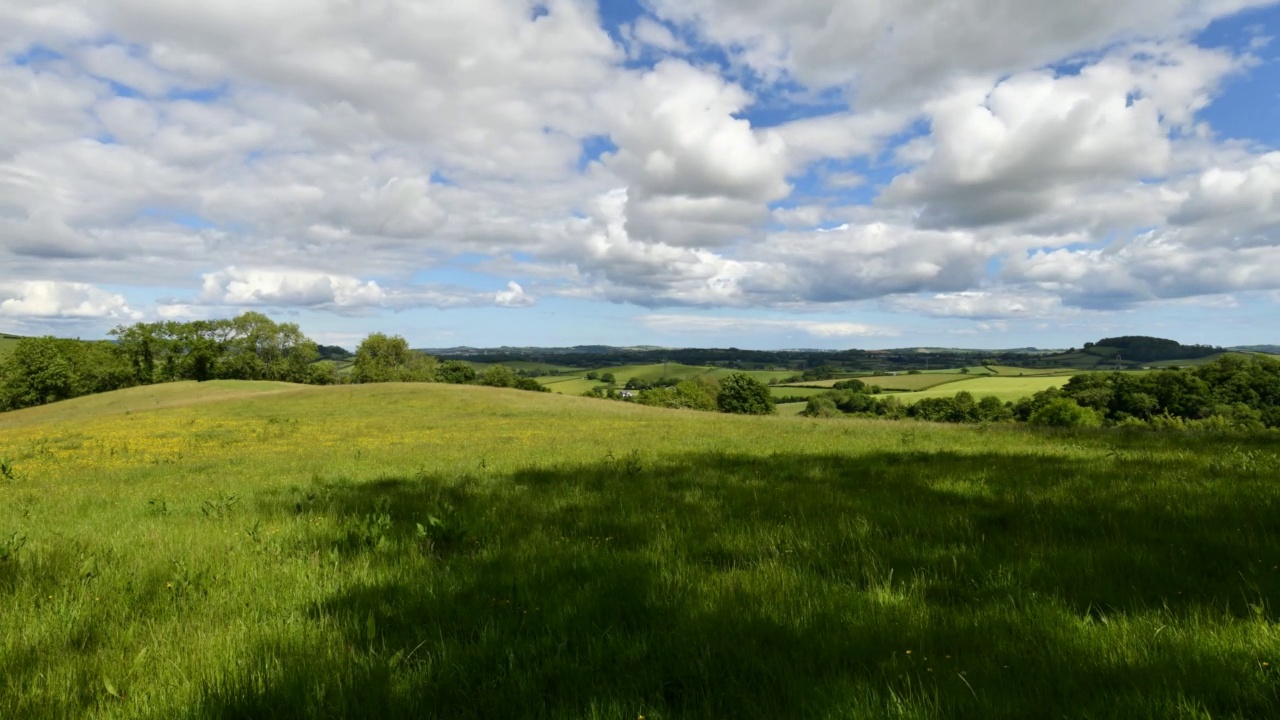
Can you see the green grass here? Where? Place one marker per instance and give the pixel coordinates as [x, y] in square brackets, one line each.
[1010, 371]
[252, 550]
[901, 382]
[8, 343]
[1195, 362]
[1005, 388]
[524, 366]
[784, 391]
[577, 385]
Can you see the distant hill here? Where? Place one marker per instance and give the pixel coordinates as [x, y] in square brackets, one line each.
[1269, 349]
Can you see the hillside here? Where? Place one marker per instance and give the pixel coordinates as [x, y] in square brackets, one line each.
[233, 549]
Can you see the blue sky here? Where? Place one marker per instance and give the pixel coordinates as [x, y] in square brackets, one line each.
[817, 173]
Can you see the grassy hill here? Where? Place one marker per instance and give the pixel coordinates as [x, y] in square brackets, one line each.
[7, 342]
[265, 550]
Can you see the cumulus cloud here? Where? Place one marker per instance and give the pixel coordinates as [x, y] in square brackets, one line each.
[979, 304]
[235, 287]
[703, 324]
[1038, 141]
[893, 53]
[53, 300]
[1024, 157]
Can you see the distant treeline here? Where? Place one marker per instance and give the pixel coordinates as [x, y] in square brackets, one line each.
[847, 361]
[1233, 392]
[1139, 348]
[1132, 351]
[251, 346]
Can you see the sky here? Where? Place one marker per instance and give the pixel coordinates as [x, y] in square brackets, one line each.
[704, 173]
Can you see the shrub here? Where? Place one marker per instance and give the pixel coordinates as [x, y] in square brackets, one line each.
[456, 372]
[1064, 412]
[821, 406]
[742, 394]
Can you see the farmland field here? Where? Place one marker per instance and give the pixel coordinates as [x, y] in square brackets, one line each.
[7, 343]
[266, 550]
[1006, 370]
[1005, 388]
[576, 385]
[894, 382]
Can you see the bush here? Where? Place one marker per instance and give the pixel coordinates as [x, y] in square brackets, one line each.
[456, 372]
[742, 394]
[821, 406]
[1065, 413]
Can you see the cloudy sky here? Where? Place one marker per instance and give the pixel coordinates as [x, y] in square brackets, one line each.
[757, 173]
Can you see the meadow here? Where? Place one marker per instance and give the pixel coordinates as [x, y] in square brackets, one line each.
[903, 382]
[231, 549]
[7, 343]
[1008, 389]
[578, 384]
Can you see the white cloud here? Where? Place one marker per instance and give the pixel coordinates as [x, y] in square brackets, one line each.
[1036, 142]
[978, 304]
[46, 299]
[323, 154]
[904, 52]
[702, 324]
[235, 287]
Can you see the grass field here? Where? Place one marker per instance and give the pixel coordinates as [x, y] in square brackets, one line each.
[903, 382]
[576, 385]
[259, 550]
[1005, 388]
[7, 343]
[1009, 371]
[782, 391]
[1195, 362]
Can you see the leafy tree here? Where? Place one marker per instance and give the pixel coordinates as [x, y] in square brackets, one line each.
[744, 395]
[382, 358]
[1064, 412]
[499, 376]
[456, 372]
[607, 378]
[687, 394]
[821, 406]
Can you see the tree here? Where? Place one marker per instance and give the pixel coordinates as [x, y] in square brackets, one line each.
[821, 406]
[499, 376]
[382, 358]
[456, 372]
[1064, 412]
[744, 395]
[607, 378]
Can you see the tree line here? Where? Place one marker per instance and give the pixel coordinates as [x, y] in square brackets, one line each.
[1232, 392]
[251, 346]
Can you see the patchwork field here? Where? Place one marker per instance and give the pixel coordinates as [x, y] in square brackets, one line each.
[261, 550]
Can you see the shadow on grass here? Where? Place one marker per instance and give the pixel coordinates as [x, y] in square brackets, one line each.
[899, 584]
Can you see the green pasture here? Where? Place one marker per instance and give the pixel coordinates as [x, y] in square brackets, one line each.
[259, 550]
[7, 343]
[1005, 388]
[1195, 362]
[576, 385]
[901, 381]
[782, 391]
[1010, 371]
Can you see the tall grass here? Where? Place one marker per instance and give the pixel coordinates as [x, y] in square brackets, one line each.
[426, 551]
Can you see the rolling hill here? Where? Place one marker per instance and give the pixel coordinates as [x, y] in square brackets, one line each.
[232, 549]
